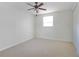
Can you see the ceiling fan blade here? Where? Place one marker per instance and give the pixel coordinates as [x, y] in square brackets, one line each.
[42, 9]
[30, 4]
[40, 4]
[30, 9]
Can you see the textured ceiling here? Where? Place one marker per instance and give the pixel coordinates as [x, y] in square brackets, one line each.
[50, 6]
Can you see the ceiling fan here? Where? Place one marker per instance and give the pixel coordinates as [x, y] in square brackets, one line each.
[36, 7]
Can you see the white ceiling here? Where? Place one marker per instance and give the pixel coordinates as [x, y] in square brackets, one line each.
[50, 6]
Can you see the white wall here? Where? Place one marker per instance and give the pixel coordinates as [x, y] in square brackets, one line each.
[62, 29]
[76, 27]
[16, 26]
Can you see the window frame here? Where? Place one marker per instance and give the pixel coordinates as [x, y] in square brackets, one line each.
[46, 22]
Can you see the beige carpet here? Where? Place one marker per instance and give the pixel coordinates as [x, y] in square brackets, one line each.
[40, 48]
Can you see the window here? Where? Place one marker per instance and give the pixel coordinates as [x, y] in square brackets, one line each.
[48, 21]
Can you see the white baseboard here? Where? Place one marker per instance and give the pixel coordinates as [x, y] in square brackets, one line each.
[12, 45]
[57, 39]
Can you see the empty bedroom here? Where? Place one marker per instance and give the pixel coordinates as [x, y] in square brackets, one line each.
[39, 29]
